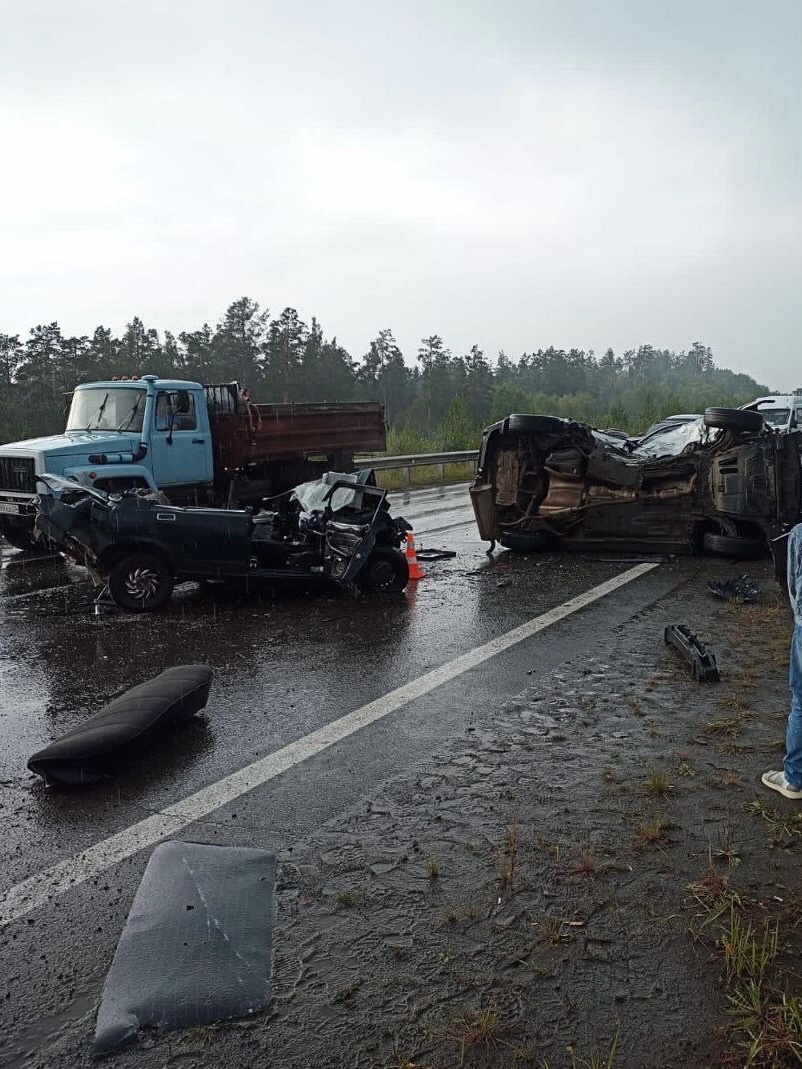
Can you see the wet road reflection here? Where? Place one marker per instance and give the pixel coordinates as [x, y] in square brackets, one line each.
[286, 663]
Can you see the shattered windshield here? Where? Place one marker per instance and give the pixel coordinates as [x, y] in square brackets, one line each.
[103, 409]
[674, 440]
[313, 496]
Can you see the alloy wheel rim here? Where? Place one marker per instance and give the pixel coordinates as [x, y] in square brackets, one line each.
[142, 583]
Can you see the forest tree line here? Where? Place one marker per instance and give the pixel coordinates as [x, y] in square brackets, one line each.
[439, 400]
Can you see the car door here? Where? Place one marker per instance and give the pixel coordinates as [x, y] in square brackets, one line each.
[180, 446]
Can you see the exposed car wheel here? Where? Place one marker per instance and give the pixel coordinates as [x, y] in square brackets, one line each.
[534, 542]
[733, 419]
[140, 582]
[733, 546]
[19, 535]
[522, 424]
[386, 570]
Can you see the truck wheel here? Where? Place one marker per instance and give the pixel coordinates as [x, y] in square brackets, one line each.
[733, 546]
[733, 419]
[386, 570]
[140, 582]
[19, 535]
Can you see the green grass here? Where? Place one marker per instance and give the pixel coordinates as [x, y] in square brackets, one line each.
[426, 475]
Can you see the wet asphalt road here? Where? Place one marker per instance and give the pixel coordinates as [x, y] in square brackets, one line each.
[285, 665]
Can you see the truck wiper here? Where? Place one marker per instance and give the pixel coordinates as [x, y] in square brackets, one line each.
[89, 426]
[127, 421]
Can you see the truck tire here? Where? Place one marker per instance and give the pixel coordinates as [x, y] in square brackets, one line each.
[140, 582]
[733, 419]
[523, 424]
[733, 546]
[19, 535]
[386, 570]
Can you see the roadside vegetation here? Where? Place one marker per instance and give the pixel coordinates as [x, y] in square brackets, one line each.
[435, 399]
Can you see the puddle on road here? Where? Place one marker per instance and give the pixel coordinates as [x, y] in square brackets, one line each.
[286, 663]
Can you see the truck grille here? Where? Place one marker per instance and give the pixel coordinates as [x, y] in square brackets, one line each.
[18, 473]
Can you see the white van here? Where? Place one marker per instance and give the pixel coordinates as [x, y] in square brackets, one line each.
[783, 411]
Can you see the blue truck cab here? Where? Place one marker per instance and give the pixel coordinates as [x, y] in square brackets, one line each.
[138, 432]
[120, 434]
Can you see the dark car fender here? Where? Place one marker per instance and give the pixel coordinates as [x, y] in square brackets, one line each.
[113, 552]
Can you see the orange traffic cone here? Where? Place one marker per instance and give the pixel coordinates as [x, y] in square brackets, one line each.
[415, 570]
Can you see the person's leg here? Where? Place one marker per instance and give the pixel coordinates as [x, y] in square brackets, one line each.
[788, 780]
[792, 765]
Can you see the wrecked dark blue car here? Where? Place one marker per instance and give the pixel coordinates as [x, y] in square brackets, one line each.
[336, 529]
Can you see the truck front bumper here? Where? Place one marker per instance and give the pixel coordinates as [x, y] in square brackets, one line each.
[23, 505]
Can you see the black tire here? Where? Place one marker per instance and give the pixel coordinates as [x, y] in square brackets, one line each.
[19, 535]
[522, 424]
[141, 582]
[533, 542]
[386, 570]
[733, 419]
[733, 546]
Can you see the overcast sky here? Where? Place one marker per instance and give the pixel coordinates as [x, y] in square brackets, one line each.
[515, 174]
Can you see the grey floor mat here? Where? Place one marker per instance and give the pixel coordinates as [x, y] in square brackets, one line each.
[196, 947]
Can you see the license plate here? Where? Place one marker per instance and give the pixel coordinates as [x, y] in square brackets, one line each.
[8, 508]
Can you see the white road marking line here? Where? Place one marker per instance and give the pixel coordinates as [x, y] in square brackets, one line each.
[43, 887]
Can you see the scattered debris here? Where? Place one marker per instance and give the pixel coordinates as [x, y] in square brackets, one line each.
[196, 947]
[436, 554]
[743, 589]
[702, 660]
[95, 749]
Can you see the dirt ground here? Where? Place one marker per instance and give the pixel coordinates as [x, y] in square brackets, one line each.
[591, 875]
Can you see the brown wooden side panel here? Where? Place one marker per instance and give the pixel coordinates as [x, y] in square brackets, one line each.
[259, 433]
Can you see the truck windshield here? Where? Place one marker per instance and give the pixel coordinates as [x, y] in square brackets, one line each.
[775, 417]
[107, 410]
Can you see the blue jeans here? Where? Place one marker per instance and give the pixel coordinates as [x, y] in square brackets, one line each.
[792, 765]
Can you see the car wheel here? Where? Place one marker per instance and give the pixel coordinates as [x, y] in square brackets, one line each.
[518, 424]
[733, 419]
[19, 535]
[140, 582]
[733, 546]
[386, 570]
[534, 542]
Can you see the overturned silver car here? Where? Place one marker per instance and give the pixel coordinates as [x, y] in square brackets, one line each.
[725, 484]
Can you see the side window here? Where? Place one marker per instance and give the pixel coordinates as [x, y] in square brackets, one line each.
[162, 412]
[799, 417]
[183, 411]
[176, 409]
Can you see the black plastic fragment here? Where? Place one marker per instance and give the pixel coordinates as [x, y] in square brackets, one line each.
[702, 661]
[196, 947]
[743, 589]
[436, 554]
[98, 747]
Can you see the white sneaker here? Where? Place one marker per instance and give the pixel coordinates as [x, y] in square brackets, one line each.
[777, 782]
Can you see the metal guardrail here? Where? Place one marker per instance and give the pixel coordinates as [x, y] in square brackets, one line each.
[420, 460]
